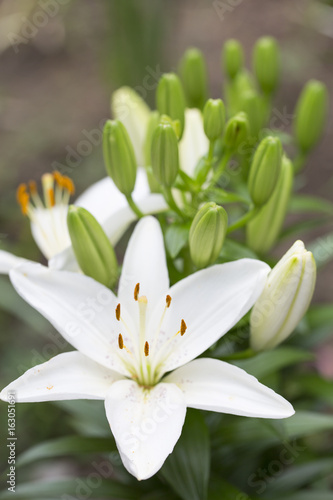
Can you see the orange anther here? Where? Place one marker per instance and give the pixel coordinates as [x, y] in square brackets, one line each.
[118, 312]
[136, 291]
[120, 341]
[146, 349]
[168, 300]
[183, 327]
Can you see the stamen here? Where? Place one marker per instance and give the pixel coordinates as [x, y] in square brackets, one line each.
[23, 198]
[146, 350]
[136, 291]
[33, 188]
[47, 183]
[120, 341]
[168, 300]
[118, 312]
[50, 196]
[183, 327]
[68, 184]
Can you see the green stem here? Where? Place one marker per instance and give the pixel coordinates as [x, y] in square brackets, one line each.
[248, 353]
[299, 161]
[221, 168]
[167, 192]
[133, 206]
[243, 220]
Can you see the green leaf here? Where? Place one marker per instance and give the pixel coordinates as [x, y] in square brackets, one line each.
[222, 490]
[232, 250]
[73, 488]
[310, 495]
[301, 203]
[186, 470]
[316, 386]
[305, 423]
[269, 362]
[222, 197]
[298, 476]
[176, 237]
[322, 249]
[87, 416]
[303, 226]
[69, 445]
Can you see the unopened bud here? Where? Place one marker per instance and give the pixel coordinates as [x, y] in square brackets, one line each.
[170, 99]
[152, 124]
[214, 118]
[237, 131]
[93, 250]
[266, 63]
[263, 231]
[265, 170]
[207, 234]
[119, 156]
[232, 57]
[164, 153]
[285, 299]
[250, 103]
[194, 77]
[311, 111]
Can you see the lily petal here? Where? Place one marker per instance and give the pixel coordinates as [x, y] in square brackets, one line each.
[70, 375]
[146, 424]
[81, 309]
[8, 261]
[210, 302]
[51, 233]
[210, 384]
[103, 199]
[144, 263]
[194, 143]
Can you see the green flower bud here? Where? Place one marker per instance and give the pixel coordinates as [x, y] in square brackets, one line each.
[251, 104]
[265, 170]
[285, 299]
[170, 99]
[92, 248]
[232, 57]
[214, 118]
[164, 153]
[153, 123]
[263, 231]
[266, 63]
[236, 131]
[119, 156]
[207, 234]
[311, 111]
[194, 77]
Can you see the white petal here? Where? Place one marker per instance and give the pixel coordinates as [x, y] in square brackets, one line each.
[144, 263]
[194, 143]
[116, 224]
[128, 107]
[70, 375]
[81, 309]
[146, 424]
[65, 261]
[49, 229]
[210, 384]
[8, 261]
[211, 302]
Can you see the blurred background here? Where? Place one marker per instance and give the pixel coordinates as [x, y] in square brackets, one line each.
[60, 61]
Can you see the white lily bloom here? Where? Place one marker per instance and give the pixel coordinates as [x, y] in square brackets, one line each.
[136, 350]
[194, 143]
[49, 218]
[285, 298]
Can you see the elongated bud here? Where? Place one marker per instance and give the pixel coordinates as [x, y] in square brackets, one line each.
[91, 246]
[153, 123]
[164, 153]
[119, 156]
[207, 234]
[232, 57]
[311, 111]
[285, 299]
[214, 118]
[129, 108]
[170, 99]
[265, 170]
[237, 131]
[263, 231]
[193, 73]
[251, 104]
[266, 63]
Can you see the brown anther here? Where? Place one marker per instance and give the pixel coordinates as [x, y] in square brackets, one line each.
[183, 327]
[120, 341]
[68, 184]
[136, 291]
[33, 187]
[168, 300]
[146, 349]
[23, 198]
[118, 312]
[50, 194]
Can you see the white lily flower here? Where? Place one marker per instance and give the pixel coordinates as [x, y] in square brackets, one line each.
[285, 298]
[194, 143]
[49, 217]
[136, 350]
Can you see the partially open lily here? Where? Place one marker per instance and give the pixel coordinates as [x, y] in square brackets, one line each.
[136, 350]
[49, 216]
